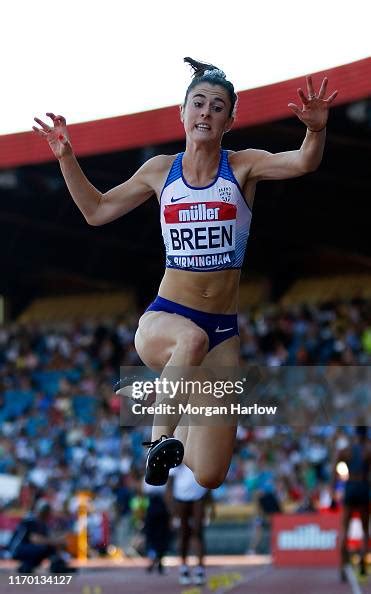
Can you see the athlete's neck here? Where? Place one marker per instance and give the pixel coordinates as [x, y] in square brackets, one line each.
[200, 163]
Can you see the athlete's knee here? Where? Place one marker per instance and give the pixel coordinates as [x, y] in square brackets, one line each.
[210, 479]
[194, 343]
[138, 340]
[148, 350]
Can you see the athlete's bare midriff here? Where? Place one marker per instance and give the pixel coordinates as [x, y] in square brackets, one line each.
[212, 292]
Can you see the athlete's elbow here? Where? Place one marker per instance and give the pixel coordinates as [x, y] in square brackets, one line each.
[95, 219]
[309, 167]
[96, 214]
[93, 222]
[307, 163]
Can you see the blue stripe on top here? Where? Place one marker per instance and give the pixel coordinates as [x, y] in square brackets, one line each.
[225, 168]
[175, 171]
[226, 172]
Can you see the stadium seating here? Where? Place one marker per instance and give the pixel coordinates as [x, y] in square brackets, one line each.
[328, 288]
[59, 309]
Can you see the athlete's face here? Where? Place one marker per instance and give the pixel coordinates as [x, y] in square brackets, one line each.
[206, 114]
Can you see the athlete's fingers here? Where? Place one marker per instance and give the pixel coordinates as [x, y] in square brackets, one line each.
[51, 116]
[61, 119]
[302, 96]
[42, 124]
[57, 119]
[323, 88]
[311, 91]
[332, 97]
[39, 132]
[294, 108]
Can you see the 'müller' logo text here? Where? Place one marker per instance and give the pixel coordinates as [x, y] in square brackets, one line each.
[199, 212]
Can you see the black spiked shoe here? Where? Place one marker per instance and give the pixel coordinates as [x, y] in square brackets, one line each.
[164, 453]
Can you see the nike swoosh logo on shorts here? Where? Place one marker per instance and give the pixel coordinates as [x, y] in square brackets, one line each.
[181, 198]
[223, 329]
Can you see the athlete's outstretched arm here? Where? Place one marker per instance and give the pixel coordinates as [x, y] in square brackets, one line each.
[314, 114]
[98, 208]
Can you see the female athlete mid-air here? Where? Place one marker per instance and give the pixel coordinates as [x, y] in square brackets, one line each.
[206, 196]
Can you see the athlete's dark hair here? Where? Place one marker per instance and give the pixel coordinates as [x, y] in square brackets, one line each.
[204, 73]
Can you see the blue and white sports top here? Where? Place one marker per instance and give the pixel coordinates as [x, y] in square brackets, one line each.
[204, 229]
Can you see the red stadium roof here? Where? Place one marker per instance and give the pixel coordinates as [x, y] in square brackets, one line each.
[256, 106]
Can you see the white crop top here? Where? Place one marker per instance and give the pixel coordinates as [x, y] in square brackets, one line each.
[204, 229]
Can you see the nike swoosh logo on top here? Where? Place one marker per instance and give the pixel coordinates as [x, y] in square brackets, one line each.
[223, 329]
[180, 198]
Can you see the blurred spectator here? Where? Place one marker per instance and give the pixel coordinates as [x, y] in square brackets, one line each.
[190, 506]
[59, 421]
[156, 526]
[31, 542]
[123, 533]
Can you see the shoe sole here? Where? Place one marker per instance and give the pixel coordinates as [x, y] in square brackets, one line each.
[164, 456]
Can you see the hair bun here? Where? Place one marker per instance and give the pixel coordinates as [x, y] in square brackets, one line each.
[200, 68]
[215, 73]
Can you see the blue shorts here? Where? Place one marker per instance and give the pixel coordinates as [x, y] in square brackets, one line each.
[218, 327]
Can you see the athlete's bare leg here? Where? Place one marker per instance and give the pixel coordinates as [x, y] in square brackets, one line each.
[169, 343]
[209, 448]
[162, 336]
[168, 340]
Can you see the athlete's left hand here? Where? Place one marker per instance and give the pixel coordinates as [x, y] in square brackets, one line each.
[314, 111]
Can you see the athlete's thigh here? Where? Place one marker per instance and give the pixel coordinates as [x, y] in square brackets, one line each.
[207, 444]
[208, 452]
[226, 353]
[157, 335]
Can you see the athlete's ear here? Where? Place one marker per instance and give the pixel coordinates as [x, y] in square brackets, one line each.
[181, 109]
[229, 124]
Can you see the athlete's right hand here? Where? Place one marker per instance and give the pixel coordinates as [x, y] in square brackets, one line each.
[57, 136]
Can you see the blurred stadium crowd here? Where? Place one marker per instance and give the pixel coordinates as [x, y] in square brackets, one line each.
[59, 418]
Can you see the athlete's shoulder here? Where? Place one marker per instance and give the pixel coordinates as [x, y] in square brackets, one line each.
[246, 156]
[243, 161]
[159, 163]
[155, 171]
